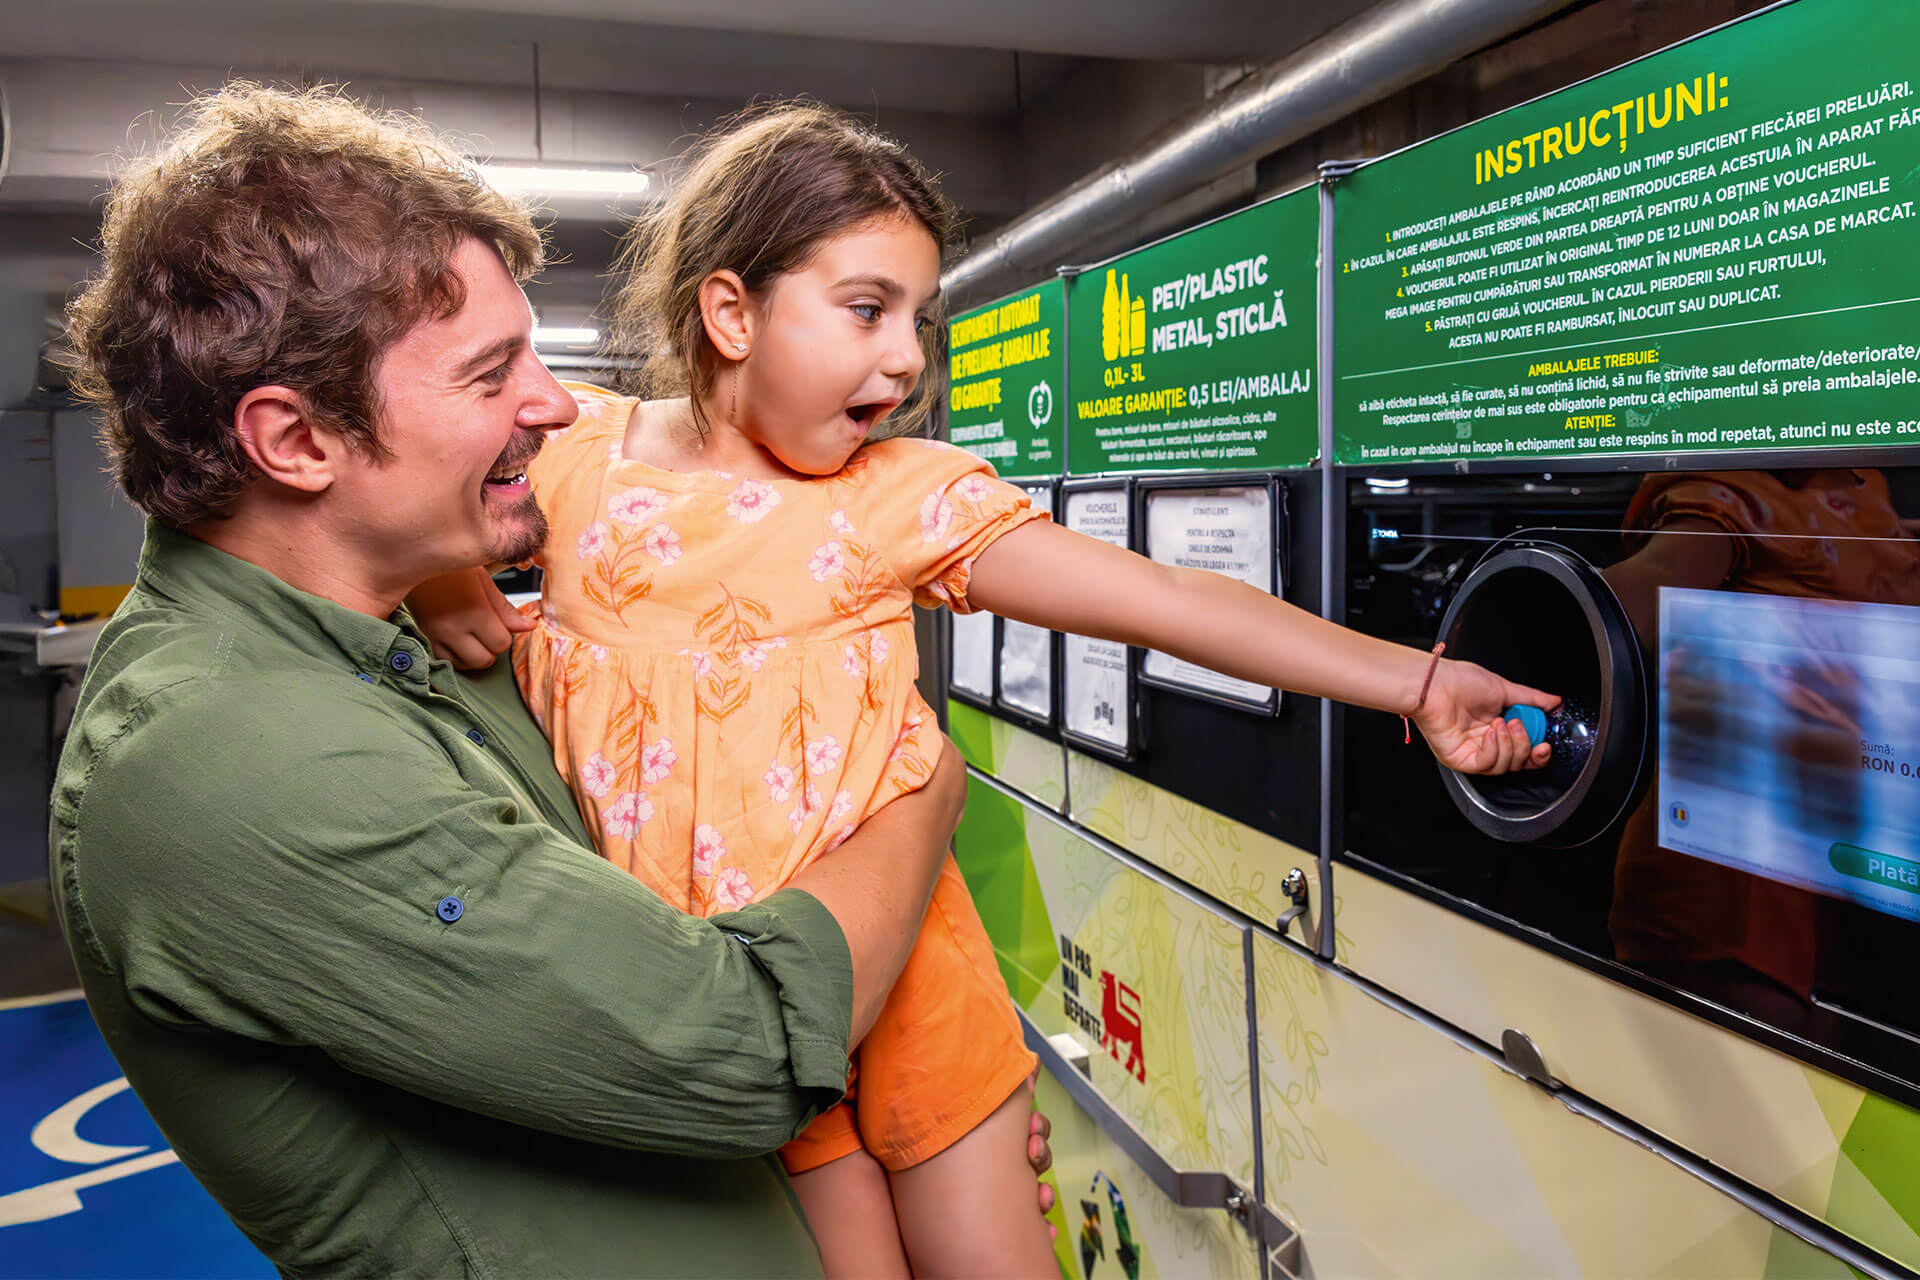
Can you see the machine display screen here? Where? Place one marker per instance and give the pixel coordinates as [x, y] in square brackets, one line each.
[1790, 741]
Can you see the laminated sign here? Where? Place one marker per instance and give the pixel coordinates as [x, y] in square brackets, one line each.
[1708, 249]
[1197, 353]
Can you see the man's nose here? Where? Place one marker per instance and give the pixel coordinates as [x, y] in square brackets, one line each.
[549, 406]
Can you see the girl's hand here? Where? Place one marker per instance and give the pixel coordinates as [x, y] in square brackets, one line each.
[1464, 721]
[466, 618]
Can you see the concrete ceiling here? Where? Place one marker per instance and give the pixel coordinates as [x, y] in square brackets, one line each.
[1008, 99]
[500, 49]
[698, 47]
[613, 82]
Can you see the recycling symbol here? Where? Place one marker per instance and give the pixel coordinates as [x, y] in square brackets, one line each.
[1040, 404]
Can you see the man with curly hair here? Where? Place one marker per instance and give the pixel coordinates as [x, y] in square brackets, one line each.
[335, 915]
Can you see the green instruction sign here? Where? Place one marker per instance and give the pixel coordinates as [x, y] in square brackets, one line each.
[1197, 353]
[1007, 395]
[1711, 248]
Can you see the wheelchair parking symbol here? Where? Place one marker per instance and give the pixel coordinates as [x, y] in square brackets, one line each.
[58, 1135]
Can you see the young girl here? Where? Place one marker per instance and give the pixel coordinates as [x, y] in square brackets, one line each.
[724, 654]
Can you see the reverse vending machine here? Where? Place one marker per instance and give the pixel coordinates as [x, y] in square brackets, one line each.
[1613, 394]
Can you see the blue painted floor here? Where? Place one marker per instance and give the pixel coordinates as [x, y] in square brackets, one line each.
[88, 1188]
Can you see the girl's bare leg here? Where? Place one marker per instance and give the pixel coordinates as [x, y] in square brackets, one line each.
[970, 1210]
[850, 1208]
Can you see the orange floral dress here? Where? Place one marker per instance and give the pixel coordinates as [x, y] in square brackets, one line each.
[725, 668]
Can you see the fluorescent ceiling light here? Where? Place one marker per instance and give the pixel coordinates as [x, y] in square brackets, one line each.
[544, 180]
[1376, 483]
[545, 336]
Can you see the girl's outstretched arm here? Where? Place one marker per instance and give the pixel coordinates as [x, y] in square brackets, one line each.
[1051, 577]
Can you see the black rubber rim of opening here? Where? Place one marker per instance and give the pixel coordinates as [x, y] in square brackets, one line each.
[1611, 779]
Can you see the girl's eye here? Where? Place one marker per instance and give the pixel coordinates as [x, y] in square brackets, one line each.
[867, 311]
[922, 323]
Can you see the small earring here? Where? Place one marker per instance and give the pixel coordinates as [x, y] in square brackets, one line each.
[739, 346]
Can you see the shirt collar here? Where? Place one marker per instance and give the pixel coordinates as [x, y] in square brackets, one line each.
[190, 571]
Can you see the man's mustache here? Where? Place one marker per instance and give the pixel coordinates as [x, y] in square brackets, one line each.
[523, 449]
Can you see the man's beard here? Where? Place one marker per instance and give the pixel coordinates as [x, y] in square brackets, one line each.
[526, 541]
[523, 545]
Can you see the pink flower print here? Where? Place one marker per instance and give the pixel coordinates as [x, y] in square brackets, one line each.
[839, 523]
[599, 652]
[626, 815]
[827, 562]
[904, 743]
[861, 655]
[940, 590]
[596, 776]
[662, 543]
[656, 760]
[751, 500]
[822, 755]
[708, 849]
[808, 806]
[592, 540]
[936, 517]
[754, 656]
[636, 506]
[702, 663]
[732, 890]
[972, 489]
[841, 807]
[840, 837]
[779, 780]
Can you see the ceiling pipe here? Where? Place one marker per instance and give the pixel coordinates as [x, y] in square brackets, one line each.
[1358, 63]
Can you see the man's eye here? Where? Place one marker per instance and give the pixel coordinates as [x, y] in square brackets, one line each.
[497, 376]
[867, 311]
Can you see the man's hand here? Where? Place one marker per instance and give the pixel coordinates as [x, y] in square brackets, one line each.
[466, 618]
[1040, 1156]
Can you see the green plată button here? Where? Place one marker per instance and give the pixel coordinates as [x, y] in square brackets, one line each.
[1876, 868]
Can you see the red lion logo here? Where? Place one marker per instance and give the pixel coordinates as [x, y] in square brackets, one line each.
[1120, 1024]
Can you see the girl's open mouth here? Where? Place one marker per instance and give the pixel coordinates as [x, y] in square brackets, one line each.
[867, 416]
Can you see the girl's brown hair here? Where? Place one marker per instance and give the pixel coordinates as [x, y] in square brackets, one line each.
[757, 197]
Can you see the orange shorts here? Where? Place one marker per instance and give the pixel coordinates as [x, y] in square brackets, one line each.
[943, 1055]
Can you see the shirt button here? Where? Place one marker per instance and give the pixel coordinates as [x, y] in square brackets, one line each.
[478, 738]
[401, 661]
[449, 909]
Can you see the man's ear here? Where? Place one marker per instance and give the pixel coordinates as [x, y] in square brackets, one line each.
[273, 430]
[728, 311]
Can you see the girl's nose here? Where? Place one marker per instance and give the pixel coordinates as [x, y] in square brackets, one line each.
[905, 356]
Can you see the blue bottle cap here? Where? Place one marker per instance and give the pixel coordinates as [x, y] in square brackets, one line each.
[1533, 719]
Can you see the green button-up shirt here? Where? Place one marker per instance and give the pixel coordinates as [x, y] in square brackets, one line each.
[267, 807]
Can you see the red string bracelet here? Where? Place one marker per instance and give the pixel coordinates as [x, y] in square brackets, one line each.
[1425, 685]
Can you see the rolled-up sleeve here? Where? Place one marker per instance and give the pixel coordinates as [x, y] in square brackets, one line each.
[355, 896]
[800, 947]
